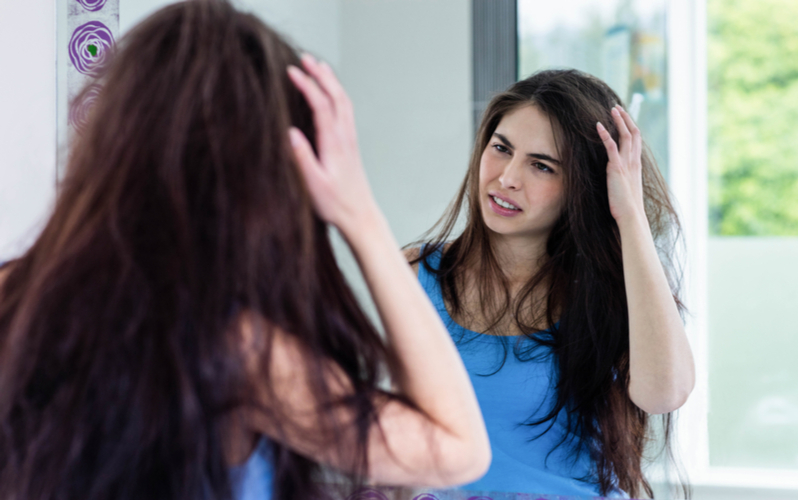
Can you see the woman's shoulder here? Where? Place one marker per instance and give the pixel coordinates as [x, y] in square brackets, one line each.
[413, 254]
[412, 257]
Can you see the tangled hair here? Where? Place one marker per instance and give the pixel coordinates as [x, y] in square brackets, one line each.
[580, 289]
[121, 358]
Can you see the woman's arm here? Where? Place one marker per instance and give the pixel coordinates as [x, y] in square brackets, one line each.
[406, 447]
[661, 363]
[446, 442]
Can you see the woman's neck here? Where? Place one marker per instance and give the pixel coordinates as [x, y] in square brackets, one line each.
[519, 258]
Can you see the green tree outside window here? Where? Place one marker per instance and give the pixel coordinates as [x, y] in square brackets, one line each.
[752, 119]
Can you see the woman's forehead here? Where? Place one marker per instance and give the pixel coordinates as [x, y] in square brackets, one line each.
[530, 130]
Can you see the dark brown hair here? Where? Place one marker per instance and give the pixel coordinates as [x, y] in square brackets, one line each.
[182, 209]
[579, 291]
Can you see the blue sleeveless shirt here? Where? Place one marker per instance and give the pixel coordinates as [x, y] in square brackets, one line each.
[512, 392]
[253, 479]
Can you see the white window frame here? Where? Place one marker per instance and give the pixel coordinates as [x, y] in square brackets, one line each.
[688, 172]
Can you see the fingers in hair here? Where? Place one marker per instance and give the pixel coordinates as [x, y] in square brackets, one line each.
[330, 84]
[318, 100]
[635, 133]
[304, 155]
[625, 138]
[608, 142]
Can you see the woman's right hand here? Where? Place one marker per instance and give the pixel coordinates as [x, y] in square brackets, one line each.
[334, 176]
[449, 444]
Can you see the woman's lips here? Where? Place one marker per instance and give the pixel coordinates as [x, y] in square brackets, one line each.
[499, 210]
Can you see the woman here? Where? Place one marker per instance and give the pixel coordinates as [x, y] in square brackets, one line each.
[555, 292]
[180, 328]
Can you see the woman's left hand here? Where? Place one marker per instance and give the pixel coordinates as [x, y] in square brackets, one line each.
[624, 168]
[661, 363]
[334, 175]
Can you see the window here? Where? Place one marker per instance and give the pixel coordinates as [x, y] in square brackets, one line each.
[752, 233]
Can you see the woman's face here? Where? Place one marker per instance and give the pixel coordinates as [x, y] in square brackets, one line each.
[521, 179]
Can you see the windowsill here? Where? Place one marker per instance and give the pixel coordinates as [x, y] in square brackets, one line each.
[734, 477]
[729, 483]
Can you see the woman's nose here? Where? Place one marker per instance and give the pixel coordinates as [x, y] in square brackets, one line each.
[510, 178]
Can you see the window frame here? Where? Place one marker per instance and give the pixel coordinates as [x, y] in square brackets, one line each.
[688, 180]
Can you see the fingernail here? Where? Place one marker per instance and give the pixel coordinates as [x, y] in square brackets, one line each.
[600, 126]
[614, 111]
[308, 57]
[292, 69]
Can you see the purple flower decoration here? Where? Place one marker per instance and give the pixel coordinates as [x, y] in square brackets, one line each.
[425, 496]
[481, 498]
[92, 5]
[367, 494]
[79, 110]
[88, 47]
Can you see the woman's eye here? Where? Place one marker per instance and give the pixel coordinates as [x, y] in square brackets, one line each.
[543, 167]
[500, 147]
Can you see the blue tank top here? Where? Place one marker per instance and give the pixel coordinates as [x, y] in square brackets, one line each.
[512, 392]
[253, 479]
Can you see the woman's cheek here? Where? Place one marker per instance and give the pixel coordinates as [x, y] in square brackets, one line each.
[490, 167]
[485, 171]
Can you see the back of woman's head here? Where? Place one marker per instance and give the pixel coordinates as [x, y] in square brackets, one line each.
[584, 302]
[187, 143]
[181, 210]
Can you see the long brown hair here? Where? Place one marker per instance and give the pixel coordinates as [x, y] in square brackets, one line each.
[181, 210]
[579, 290]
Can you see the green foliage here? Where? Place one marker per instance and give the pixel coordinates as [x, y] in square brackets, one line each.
[752, 117]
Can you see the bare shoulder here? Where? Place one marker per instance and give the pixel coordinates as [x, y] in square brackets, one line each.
[411, 254]
[289, 357]
[256, 335]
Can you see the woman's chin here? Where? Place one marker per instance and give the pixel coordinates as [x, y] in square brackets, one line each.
[505, 228]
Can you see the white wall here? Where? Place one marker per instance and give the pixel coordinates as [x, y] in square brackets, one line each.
[407, 67]
[27, 121]
[312, 24]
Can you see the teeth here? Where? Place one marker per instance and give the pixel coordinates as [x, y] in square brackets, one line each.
[504, 204]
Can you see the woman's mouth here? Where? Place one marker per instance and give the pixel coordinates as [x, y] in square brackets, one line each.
[502, 207]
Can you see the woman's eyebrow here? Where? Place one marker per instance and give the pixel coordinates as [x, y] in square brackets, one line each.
[538, 156]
